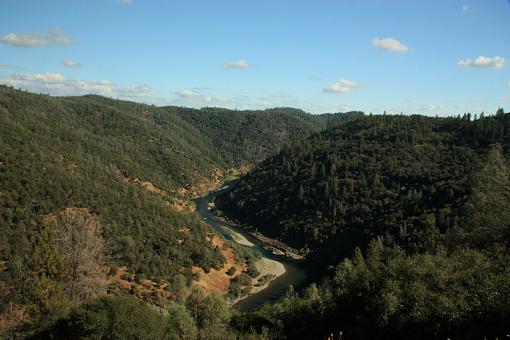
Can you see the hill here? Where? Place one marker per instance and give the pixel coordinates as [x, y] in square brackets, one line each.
[241, 137]
[420, 208]
[95, 205]
[402, 179]
[130, 167]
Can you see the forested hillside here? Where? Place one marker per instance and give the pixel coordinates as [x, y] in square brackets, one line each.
[124, 166]
[406, 217]
[240, 136]
[404, 180]
[428, 201]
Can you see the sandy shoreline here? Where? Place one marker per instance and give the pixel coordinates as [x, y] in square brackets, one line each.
[265, 267]
[268, 268]
[238, 238]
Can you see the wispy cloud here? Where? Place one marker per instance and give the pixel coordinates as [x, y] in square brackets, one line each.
[217, 100]
[200, 88]
[188, 94]
[465, 8]
[390, 44]
[71, 64]
[508, 83]
[483, 62]
[342, 86]
[125, 2]
[195, 98]
[239, 64]
[12, 67]
[57, 84]
[53, 37]
[431, 108]
[345, 108]
[7, 66]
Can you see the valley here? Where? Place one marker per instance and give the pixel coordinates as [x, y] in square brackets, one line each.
[282, 270]
[254, 170]
[292, 226]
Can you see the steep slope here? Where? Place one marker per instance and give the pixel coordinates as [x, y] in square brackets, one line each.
[86, 152]
[250, 136]
[128, 164]
[401, 179]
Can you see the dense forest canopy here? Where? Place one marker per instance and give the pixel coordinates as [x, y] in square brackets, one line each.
[250, 136]
[406, 218]
[426, 198]
[92, 153]
[402, 179]
[79, 152]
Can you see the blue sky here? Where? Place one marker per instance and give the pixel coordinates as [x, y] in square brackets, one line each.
[430, 57]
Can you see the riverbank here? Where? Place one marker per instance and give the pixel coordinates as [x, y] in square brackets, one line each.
[268, 269]
[238, 238]
[277, 248]
[276, 272]
[273, 246]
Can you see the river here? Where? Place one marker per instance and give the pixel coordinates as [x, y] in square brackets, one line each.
[295, 273]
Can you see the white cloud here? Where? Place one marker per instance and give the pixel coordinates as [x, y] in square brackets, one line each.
[133, 91]
[53, 37]
[483, 62]
[45, 77]
[71, 64]
[56, 83]
[27, 40]
[239, 64]
[194, 98]
[390, 44]
[465, 8]
[125, 2]
[199, 97]
[341, 86]
[217, 100]
[188, 94]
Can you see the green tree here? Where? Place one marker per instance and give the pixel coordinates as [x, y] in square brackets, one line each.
[110, 318]
[181, 325]
[487, 218]
[213, 317]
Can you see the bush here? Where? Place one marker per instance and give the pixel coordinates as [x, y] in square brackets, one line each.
[109, 318]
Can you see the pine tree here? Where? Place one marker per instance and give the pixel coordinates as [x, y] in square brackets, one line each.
[488, 209]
